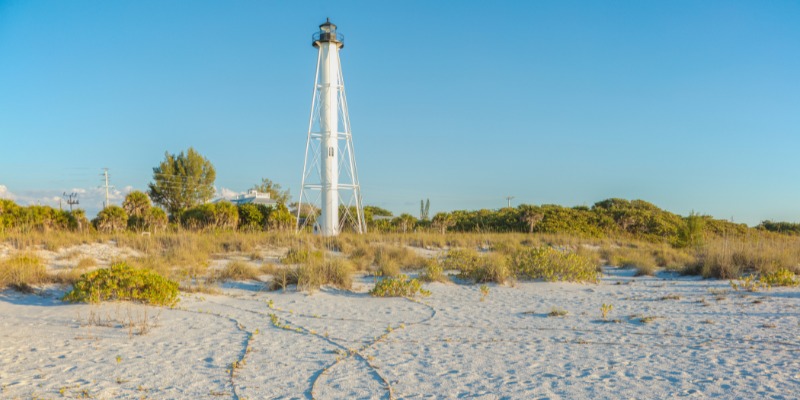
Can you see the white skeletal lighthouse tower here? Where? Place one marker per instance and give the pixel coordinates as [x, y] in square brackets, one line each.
[330, 198]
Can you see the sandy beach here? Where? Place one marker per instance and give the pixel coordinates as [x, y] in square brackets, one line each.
[666, 336]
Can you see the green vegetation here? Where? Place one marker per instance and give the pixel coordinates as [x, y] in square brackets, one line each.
[142, 216]
[274, 191]
[399, 286]
[111, 219]
[433, 272]
[604, 310]
[182, 181]
[557, 312]
[220, 215]
[122, 282]
[780, 227]
[550, 265]
[781, 277]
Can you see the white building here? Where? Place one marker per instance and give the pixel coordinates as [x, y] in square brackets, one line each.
[251, 197]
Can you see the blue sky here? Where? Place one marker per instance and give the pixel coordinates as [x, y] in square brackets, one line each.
[691, 105]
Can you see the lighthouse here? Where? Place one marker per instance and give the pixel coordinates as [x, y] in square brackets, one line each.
[330, 198]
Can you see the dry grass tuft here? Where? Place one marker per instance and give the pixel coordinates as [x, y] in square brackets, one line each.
[237, 271]
[22, 271]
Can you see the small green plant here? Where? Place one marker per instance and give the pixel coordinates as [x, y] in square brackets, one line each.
[433, 272]
[484, 292]
[781, 277]
[749, 283]
[557, 312]
[119, 359]
[122, 282]
[399, 286]
[605, 309]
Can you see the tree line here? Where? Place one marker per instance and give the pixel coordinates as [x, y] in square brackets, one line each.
[183, 185]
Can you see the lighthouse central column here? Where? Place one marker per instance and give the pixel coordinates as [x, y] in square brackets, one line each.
[329, 130]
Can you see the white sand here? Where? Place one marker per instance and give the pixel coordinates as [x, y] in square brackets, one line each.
[709, 343]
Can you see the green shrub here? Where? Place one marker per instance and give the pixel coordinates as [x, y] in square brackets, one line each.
[491, 267]
[111, 219]
[781, 277]
[122, 282]
[399, 286]
[433, 272]
[461, 260]
[22, 271]
[550, 264]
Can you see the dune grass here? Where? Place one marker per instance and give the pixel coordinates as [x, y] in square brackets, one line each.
[185, 256]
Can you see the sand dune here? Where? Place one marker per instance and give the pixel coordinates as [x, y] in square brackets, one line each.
[665, 337]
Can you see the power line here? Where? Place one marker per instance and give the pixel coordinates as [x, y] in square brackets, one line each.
[72, 199]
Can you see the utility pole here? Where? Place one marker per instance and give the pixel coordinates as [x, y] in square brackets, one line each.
[105, 176]
[72, 199]
[509, 198]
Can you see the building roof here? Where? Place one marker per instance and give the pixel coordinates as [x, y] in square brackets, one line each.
[252, 197]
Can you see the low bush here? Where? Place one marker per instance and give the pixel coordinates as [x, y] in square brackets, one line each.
[433, 272]
[550, 264]
[122, 282]
[491, 267]
[399, 286]
[781, 277]
[461, 260]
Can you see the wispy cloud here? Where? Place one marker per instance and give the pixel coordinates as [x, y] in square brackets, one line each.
[6, 194]
[226, 193]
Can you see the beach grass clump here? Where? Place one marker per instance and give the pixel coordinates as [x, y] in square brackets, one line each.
[403, 257]
[361, 255]
[297, 255]
[551, 265]
[399, 286]
[315, 274]
[639, 258]
[123, 282]
[237, 271]
[731, 259]
[21, 271]
[433, 272]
